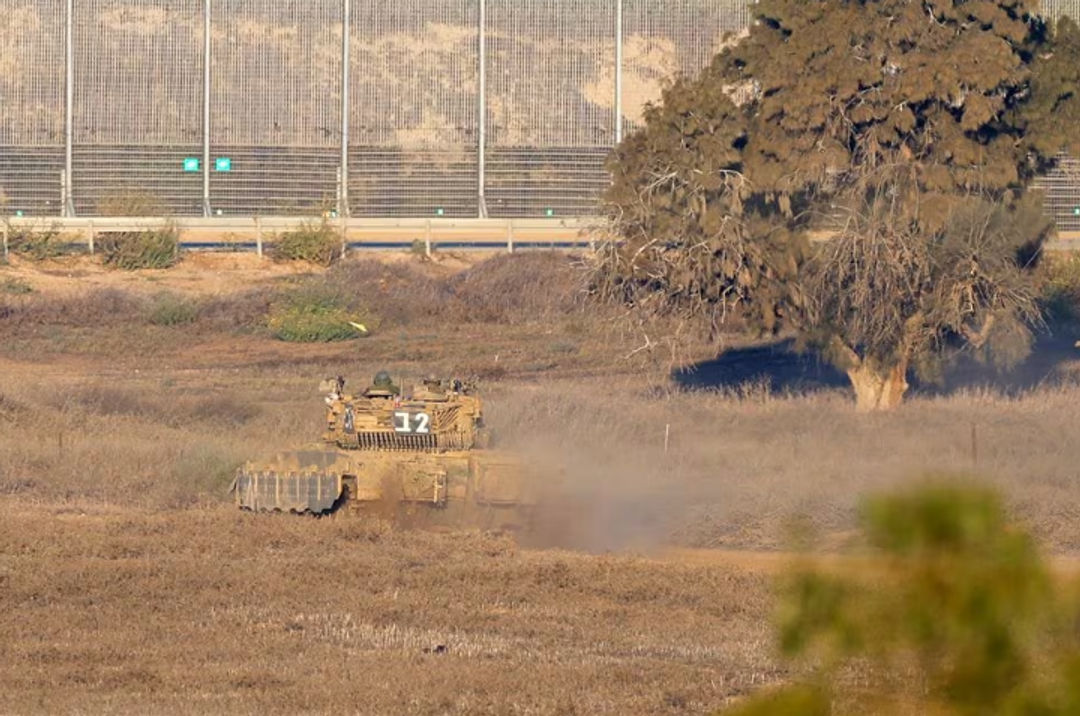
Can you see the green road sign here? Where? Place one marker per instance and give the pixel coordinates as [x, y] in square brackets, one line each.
[19, 212]
[549, 212]
[439, 211]
[1076, 211]
[223, 164]
[191, 164]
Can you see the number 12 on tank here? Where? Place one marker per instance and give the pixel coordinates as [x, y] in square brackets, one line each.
[418, 423]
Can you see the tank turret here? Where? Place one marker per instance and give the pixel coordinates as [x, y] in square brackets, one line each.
[426, 421]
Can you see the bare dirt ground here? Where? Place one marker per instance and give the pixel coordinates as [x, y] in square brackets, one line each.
[130, 585]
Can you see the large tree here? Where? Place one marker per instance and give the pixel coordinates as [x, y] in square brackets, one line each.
[902, 134]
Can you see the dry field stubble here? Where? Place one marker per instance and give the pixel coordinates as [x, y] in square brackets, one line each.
[201, 611]
[130, 585]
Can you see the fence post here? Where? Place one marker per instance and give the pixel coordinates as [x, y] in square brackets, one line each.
[427, 238]
[206, 108]
[258, 236]
[481, 110]
[343, 186]
[343, 227]
[93, 237]
[510, 236]
[68, 208]
[618, 70]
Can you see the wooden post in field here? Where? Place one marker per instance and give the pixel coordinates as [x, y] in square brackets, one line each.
[258, 236]
[427, 238]
[667, 436]
[510, 235]
[92, 238]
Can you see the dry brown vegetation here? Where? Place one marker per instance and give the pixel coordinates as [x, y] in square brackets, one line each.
[202, 611]
[131, 585]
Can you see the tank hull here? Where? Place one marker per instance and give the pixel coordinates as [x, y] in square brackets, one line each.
[485, 489]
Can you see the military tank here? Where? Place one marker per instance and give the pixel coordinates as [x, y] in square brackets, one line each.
[422, 460]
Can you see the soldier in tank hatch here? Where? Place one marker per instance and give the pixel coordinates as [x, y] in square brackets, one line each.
[382, 386]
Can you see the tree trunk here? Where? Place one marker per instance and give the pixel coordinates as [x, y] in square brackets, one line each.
[877, 387]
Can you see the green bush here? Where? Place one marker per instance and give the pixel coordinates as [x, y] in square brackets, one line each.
[15, 286]
[35, 244]
[169, 309]
[150, 249]
[315, 315]
[1059, 287]
[419, 249]
[949, 610]
[318, 243]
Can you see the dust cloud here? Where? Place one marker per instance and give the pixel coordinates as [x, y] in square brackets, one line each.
[609, 483]
[744, 469]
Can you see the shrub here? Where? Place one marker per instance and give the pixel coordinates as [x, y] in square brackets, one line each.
[1059, 287]
[398, 293]
[315, 315]
[957, 602]
[419, 249]
[36, 244]
[132, 203]
[150, 249]
[169, 309]
[519, 287]
[318, 243]
[507, 289]
[240, 311]
[95, 307]
[15, 286]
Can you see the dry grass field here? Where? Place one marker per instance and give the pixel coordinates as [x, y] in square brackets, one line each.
[129, 584]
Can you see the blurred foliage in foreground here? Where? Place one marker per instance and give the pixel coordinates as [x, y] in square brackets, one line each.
[952, 612]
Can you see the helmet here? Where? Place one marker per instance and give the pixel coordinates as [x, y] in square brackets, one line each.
[382, 380]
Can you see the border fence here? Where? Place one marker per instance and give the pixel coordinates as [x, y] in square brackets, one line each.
[362, 108]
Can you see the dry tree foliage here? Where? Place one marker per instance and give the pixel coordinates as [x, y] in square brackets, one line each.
[956, 282]
[899, 114]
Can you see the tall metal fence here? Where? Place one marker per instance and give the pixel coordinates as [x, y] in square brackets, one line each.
[466, 108]
[414, 108]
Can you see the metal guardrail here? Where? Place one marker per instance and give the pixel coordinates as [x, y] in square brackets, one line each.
[257, 233]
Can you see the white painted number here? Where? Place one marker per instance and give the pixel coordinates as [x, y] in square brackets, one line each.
[419, 423]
